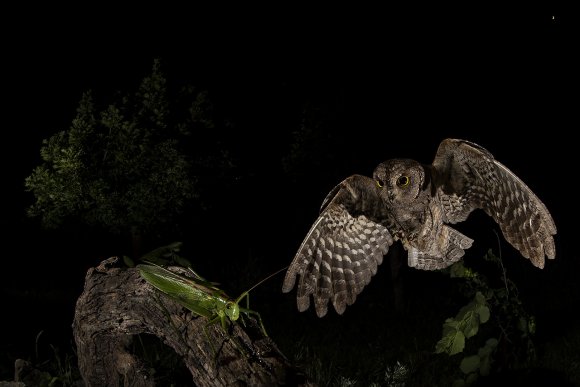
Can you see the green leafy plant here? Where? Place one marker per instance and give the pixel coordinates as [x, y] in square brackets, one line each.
[132, 166]
[463, 326]
[511, 326]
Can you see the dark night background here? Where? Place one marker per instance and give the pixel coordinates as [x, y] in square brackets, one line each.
[380, 83]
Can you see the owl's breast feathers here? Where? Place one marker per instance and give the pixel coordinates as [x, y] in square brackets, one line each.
[435, 245]
[430, 243]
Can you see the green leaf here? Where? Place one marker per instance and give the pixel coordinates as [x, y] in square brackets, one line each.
[480, 298]
[471, 379]
[458, 383]
[480, 307]
[470, 364]
[491, 343]
[451, 343]
[457, 270]
[470, 323]
[485, 366]
[128, 261]
[483, 312]
[450, 326]
[489, 346]
[184, 262]
[485, 356]
[471, 315]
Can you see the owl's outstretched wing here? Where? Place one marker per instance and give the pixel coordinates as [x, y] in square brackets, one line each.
[343, 248]
[469, 177]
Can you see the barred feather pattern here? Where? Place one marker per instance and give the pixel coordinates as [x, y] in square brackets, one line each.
[340, 253]
[414, 203]
[477, 180]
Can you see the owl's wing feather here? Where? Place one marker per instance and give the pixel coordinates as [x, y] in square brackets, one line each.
[469, 178]
[343, 248]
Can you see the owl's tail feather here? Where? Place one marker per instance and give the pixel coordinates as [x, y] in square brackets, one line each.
[449, 247]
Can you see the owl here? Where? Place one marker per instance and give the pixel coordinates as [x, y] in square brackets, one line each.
[415, 204]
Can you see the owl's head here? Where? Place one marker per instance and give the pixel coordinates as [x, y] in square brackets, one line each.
[399, 180]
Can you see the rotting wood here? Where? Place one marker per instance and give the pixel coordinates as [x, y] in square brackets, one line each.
[117, 305]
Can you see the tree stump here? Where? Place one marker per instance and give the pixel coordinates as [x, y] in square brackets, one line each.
[117, 304]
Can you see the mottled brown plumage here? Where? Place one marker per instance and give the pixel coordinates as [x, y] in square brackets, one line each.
[414, 203]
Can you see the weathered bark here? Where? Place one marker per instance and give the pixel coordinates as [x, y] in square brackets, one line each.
[118, 304]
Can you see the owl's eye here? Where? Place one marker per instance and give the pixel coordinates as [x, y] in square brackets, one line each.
[379, 183]
[403, 181]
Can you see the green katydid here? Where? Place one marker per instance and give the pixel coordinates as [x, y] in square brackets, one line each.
[200, 296]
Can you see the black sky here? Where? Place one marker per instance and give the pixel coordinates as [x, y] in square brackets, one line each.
[402, 78]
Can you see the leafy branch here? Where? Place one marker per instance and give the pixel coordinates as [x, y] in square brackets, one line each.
[512, 327]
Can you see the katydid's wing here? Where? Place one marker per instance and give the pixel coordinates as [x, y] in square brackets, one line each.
[209, 284]
[187, 291]
[198, 281]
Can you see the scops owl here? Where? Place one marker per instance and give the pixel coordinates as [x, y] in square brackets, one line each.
[414, 203]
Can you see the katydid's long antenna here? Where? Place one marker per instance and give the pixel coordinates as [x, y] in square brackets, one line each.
[259, 283]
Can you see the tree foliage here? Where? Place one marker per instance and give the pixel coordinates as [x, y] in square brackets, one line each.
[122, 167]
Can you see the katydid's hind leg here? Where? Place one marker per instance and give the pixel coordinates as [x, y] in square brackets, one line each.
[219, 351]
[227, 334]
[241, 346]
[210, 341]
[249, 311]
[210, 322]
[258, 318]
[223, 326]
[246, 295]
[231, 338]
